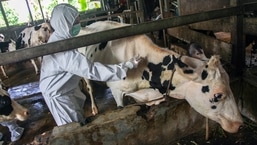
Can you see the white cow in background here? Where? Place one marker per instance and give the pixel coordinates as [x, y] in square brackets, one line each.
[29, 37]
[34, 36]
[203, 84]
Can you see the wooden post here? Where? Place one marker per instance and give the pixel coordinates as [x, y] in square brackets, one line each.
[4, 15]
[237, 39]
[30, 14]
[161, 3]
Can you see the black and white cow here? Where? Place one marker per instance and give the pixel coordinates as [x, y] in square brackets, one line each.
[195, 50]
[34, 36]
[203, 84]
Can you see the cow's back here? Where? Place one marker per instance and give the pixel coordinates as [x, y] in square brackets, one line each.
[120, 50]
[98, 52]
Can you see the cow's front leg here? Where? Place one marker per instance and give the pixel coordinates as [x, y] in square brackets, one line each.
[118, 97]
[35, 66]
[3, 70]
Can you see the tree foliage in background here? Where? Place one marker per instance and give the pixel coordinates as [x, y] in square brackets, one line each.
[2, 22]
[11, 16]
[47, 7]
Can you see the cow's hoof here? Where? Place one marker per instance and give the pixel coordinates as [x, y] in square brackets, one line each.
[87, 120]
[120, 107]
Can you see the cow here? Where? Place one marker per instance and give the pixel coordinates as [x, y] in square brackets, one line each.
[10, 109]
[203, 84]
[10, 112]
[251, 54]
[195, 50]
[34, 36]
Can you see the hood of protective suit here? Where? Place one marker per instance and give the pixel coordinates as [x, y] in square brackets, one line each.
[62, 19]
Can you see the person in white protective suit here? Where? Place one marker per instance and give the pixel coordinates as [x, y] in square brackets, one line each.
[16, 131]
[62, 71]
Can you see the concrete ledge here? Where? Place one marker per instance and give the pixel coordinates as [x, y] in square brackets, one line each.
[134, 125]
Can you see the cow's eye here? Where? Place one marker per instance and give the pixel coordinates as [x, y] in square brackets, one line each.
[218, 97]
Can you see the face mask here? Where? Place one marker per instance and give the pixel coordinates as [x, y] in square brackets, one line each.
[75, 30]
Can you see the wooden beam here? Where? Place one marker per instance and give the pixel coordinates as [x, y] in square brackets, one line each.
[237, 39]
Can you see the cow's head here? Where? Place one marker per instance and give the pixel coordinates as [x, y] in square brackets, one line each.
[34, 36]
[195, 50]
[209, 94]
[44, 32]
[10, 109]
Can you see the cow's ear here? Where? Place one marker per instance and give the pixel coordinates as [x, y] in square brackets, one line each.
[177, 96]
[214, 61]
[13, 41]
[186, 89]
[214, 67]
[188, 74]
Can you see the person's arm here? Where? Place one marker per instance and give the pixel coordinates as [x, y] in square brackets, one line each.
[81, 66]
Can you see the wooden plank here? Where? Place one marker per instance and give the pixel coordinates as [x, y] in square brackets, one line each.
[248, 1]
[224, 24]
[213, 25]
[250, 26]
[195, 6]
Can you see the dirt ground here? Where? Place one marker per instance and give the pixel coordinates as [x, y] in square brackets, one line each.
[23, 85]
[217, 136]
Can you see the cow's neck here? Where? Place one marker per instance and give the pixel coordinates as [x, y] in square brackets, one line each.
[159, 74]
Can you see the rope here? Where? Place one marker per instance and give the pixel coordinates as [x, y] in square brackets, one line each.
[171, 77]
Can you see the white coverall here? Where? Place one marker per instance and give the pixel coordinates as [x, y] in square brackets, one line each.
[61, 72]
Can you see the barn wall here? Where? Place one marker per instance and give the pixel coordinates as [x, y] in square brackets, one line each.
[250, 26]
[245, 92]
[195, 6]
[210, 44]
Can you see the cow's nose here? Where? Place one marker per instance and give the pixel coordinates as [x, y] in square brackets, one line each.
[241, 127]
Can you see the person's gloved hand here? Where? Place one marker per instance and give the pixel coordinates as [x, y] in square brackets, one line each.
[133, 62]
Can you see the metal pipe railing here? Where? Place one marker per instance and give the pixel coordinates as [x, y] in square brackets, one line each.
[85, 40]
